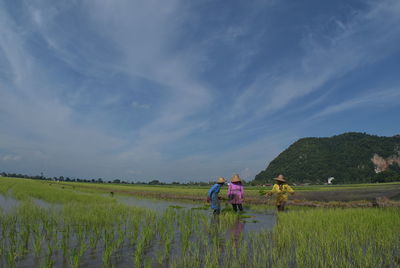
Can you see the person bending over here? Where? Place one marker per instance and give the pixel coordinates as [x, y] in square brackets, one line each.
[281, 189]
[213, 197]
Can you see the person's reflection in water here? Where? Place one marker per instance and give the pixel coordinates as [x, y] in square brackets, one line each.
[215, 220]
[236, 231]
[215, 226]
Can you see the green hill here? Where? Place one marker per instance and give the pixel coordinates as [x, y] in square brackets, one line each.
[349, 158]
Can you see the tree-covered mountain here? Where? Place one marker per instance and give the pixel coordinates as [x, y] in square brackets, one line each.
[349, 158]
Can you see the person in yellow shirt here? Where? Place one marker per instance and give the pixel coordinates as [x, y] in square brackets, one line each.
[282, 189]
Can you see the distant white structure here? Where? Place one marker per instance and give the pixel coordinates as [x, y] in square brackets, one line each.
[330, 180]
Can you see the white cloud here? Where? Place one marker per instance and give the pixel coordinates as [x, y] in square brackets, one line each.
[10, 157]
[137, 105]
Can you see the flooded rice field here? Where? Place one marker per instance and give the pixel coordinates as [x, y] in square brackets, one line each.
[46, 226]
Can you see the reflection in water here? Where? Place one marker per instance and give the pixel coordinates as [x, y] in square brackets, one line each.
[214, 220]
[256, 222]
[236, 231]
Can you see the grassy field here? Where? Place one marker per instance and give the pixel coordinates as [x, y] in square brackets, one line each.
[83, 227]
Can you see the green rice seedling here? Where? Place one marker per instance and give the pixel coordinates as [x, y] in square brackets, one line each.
[167, 239]
[185, 235]
[243, 253]
[108, 239]
[37, 241]
[204, 207]
[65, 239]
[24, 236]
[168, 244]
[138, 254]
[49, 262]
[11, 257]
[82, 247]
[94, 238]
[121, 235]
[148, 233]
[11, 244]
[133, 232]
[211, 259]
[74, 258]
[176, 207]
[106, 256]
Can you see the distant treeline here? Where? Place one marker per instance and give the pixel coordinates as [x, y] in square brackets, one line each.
[100, 180]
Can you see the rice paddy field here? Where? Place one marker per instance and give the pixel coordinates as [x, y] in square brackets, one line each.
[50, 224]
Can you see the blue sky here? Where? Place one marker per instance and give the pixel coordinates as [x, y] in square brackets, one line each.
[189, 90]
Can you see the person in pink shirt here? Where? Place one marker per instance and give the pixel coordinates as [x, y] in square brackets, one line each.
[236, 193]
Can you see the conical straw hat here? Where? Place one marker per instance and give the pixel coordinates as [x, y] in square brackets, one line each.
[280, 178]
[221, 180]
[235, 178]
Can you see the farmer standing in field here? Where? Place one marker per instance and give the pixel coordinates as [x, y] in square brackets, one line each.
[213, 196]
[281, 188]
[236, 193]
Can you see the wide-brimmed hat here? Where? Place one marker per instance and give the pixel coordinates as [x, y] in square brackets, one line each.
[235, 178]
[280, 178]
[221, 180]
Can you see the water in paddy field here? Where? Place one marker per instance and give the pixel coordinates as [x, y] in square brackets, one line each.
[43, 204]
[8, 203]
[252, 221]
[154, 204]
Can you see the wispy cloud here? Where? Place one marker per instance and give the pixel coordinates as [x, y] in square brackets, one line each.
[370, 99]
[141, 32]
[366, 38]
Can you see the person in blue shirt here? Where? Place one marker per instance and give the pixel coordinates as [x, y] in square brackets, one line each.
[213, 197]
